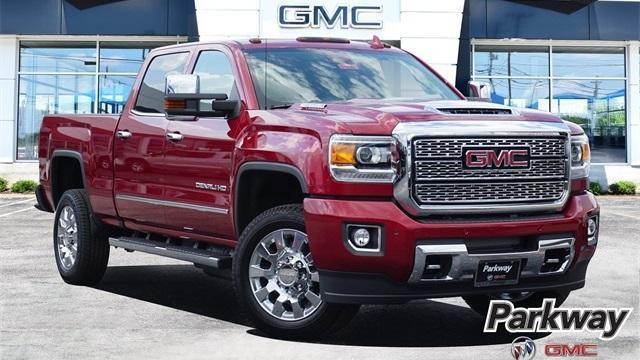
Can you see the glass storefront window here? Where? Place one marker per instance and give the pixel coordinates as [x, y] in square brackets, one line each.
[60, 78]
[588, 87]
[523, 93]
[69, 58]
[49, 94]
[588, 62]
[505, 61]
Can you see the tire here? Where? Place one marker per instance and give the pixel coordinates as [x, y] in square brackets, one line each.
[75, 229]
[480, 303]
[313, 319]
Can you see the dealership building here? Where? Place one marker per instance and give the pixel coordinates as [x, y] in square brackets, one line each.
[579, 59]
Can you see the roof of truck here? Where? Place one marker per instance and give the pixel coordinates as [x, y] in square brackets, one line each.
[301, 42]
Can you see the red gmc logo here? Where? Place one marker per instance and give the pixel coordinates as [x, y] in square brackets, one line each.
[571, 350]
[478, 158]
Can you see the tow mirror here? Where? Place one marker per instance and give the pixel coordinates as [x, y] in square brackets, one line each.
[182, 97]
[480, 90]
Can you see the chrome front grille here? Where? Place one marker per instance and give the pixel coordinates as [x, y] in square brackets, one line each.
[447, 148]
[439, 176]
[490, 192]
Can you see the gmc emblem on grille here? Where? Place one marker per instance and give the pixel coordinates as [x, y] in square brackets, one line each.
[505, 158]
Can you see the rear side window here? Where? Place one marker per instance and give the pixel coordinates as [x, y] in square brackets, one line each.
[216, 76]
[151, 94]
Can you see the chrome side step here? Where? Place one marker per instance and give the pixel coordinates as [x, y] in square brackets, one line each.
[214, 257]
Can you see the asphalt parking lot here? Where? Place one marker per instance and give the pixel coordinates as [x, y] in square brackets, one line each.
[149, 307]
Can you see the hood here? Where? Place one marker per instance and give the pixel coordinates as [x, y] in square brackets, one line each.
[380, 117]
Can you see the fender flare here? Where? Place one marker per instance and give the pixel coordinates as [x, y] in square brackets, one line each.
[264, 166]
[66, 154]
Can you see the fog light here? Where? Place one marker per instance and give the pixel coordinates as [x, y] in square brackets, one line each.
[361, 237]
[592, 227]
[592, 230]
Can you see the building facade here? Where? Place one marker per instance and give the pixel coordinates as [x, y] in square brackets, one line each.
[579, 59]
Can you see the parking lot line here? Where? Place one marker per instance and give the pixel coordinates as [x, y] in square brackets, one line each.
[15, 212]
[624, 215]
[16, 203]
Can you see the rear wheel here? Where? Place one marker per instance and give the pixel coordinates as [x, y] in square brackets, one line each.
[81, 249]
[276, 280]
[480, 303]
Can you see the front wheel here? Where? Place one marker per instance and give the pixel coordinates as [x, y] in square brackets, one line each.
[480, 303]
[276, 281]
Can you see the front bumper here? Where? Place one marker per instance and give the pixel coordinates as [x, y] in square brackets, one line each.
[395, 274]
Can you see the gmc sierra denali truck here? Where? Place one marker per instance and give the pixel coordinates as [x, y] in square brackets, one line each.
[322, 174]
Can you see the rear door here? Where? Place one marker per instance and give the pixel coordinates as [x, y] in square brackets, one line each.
[140, 145]
[198, 156]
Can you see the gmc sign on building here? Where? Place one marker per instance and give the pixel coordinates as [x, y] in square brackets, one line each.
[300, 16]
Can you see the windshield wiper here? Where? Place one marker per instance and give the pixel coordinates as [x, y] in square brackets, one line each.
[281, 106]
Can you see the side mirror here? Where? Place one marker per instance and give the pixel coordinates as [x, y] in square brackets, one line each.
[182, 97]
[480, 90]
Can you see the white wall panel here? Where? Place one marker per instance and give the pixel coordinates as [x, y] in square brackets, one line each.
[443, 51]
[228, 23]
[432, 5]
[6, 141]
[8, 49]
[430, 25]
[227, 5]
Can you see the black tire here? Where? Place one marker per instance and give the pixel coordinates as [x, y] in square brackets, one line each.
[327, 318]
[480, 303]
[92, 243]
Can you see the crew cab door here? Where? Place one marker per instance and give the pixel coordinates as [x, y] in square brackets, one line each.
[140, 145]
[199, 155]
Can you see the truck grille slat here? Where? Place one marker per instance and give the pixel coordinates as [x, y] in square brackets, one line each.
[439, 175]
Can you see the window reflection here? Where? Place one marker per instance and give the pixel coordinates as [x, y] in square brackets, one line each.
[57, 77]
[523, 93]
[504, 61]
[40, 95]
[588, 62]
[114, 91]
[521, 76]
[598, 106]
[72, 58]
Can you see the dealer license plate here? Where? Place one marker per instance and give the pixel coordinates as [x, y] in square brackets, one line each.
[497, 272]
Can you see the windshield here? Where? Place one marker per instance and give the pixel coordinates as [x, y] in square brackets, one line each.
[286, 76]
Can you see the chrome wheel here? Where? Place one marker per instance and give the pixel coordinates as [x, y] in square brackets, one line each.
[282, 276]
[67, 238]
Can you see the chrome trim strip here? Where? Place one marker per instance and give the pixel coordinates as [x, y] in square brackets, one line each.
[174, 204]
[464, 265]
[406, 132]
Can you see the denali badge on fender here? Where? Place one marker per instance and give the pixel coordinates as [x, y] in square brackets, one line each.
[483, 157]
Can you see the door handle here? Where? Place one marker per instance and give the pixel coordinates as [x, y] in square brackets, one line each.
[175, 136]
[123, 134]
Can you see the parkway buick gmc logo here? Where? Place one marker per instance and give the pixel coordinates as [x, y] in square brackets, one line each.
[477, 158]
[523, 348]
[314, 16]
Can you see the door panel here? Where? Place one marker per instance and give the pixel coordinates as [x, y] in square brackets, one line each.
[140, 144]
[197, 173]
[198, 159]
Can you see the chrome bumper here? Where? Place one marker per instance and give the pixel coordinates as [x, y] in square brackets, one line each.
[463, 265]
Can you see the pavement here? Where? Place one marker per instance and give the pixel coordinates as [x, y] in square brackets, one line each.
[148, 307]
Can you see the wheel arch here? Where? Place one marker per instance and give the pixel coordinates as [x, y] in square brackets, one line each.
[265, 174]
[75, 177]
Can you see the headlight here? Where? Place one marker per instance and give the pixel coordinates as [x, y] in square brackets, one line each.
[363, 158]
[580, 156]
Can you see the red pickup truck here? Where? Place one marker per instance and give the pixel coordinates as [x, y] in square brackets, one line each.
[323, 174]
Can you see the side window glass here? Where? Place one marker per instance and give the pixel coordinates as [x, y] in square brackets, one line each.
[151, 94]
[216, 76]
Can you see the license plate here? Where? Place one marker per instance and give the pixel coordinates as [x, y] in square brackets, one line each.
[497, 272]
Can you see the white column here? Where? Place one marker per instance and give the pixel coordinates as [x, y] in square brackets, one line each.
[633, 103]
[431, 31]
[8, 78]
[228, 19]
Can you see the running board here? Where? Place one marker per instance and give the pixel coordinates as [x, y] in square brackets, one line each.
[216, 258]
